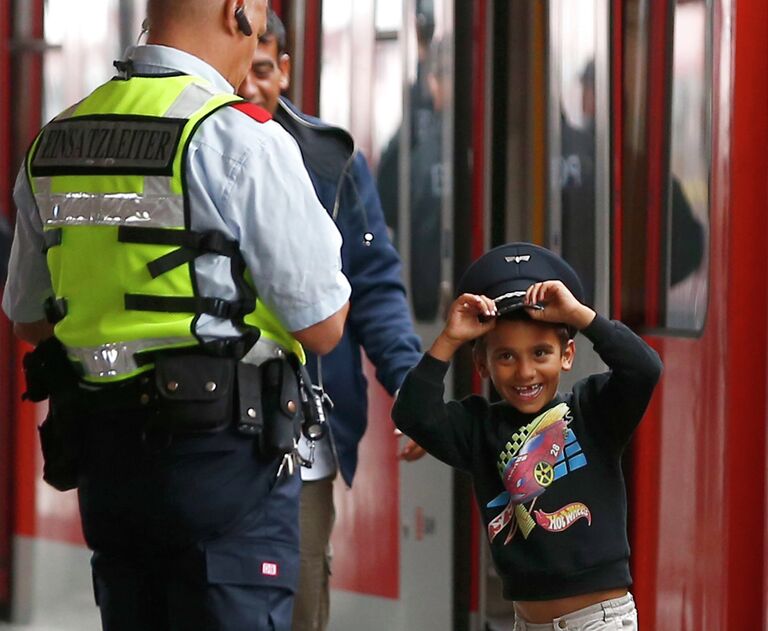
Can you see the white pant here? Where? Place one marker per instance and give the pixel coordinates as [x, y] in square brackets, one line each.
[618, 614]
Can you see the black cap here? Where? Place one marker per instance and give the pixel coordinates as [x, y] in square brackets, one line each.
[509, 270]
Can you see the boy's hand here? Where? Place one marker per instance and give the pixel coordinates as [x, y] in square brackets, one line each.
[559, 305]
[463, 325]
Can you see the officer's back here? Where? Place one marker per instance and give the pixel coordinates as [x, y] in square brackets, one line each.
[169, 237]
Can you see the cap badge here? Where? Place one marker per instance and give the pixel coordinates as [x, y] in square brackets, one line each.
[518, 259]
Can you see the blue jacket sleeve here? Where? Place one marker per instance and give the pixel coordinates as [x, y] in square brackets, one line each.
[379, 316]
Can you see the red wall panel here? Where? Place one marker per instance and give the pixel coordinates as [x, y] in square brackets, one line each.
[747, 317]
[368, 515]
[6, 364]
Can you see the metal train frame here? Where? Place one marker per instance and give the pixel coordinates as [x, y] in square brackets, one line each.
[409, 553]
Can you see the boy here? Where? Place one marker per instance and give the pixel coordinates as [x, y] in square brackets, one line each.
[546, 466]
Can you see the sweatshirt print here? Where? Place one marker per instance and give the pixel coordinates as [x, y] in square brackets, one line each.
[549, 485]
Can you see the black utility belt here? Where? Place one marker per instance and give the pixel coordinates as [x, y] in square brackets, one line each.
[198, 393]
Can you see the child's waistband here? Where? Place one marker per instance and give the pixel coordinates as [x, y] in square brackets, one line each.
[605, 610]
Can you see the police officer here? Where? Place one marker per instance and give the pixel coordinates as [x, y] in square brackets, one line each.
[170, 243]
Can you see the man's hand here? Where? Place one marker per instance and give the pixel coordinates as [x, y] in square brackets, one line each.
[33, 332]
[411, 451]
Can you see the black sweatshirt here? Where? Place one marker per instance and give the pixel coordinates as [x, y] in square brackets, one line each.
[563, 531]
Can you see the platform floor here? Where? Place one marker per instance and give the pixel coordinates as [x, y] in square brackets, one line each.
[56, 594]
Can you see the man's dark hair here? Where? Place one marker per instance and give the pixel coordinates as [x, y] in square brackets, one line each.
[275, 30]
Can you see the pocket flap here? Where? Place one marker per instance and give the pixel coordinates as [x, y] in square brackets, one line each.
[243, 562]
[194, 377]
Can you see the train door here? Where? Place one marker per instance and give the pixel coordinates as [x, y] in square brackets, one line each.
[20, 103]
[386, 76]
[6, 343]
[50, 575]
[699, 455]
[551, 164]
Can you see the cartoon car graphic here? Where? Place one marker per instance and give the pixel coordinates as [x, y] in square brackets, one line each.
[533, 469]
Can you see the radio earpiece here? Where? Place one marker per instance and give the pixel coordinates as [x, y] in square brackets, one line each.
[242, 22]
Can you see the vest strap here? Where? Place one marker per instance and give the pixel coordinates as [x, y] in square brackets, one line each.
[51, 238]
[216, 307]
[232, 347]
[55, 309]
[191, 245]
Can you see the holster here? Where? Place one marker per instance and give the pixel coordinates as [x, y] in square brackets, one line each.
[281, 407]
[50, 375]
[61, 444]
[48, 371]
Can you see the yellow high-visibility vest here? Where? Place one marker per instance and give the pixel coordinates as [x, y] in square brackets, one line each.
[108, 176]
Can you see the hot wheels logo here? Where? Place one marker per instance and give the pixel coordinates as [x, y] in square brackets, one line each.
[564, 518]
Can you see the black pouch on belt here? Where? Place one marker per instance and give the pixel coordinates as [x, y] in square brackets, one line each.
[250, 419]
[281, 408]
[49, 374]
[60, 442]
[195, 393]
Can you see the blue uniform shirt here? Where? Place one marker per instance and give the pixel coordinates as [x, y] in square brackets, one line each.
[244, 179]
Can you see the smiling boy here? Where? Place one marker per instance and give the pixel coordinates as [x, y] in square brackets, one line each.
[546, 465]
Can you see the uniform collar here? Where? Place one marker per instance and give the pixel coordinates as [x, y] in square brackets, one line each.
[153, 59]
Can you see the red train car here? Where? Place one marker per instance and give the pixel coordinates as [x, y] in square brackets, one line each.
[630, 136]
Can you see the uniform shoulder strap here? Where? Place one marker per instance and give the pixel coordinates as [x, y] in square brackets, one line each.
[256, 112]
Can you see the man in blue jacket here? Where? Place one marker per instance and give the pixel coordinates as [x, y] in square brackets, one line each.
[379, 318]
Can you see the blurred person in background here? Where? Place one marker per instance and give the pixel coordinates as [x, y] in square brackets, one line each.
[428, 185]
[579, 202]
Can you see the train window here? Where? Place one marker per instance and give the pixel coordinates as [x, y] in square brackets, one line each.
[388, 81]
[336, 79]
[687, 201]
[664, 275]
[414, 184]
[578, 137]
[83, 34]
[389, 16]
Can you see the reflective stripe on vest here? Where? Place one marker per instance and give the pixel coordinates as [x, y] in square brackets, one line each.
[117, 159]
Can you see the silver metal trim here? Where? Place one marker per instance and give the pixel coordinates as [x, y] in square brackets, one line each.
[299, 16]
[407, 56]
[554, 226]
[602, 157]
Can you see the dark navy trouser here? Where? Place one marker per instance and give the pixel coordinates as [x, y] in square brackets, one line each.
[195, 535]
